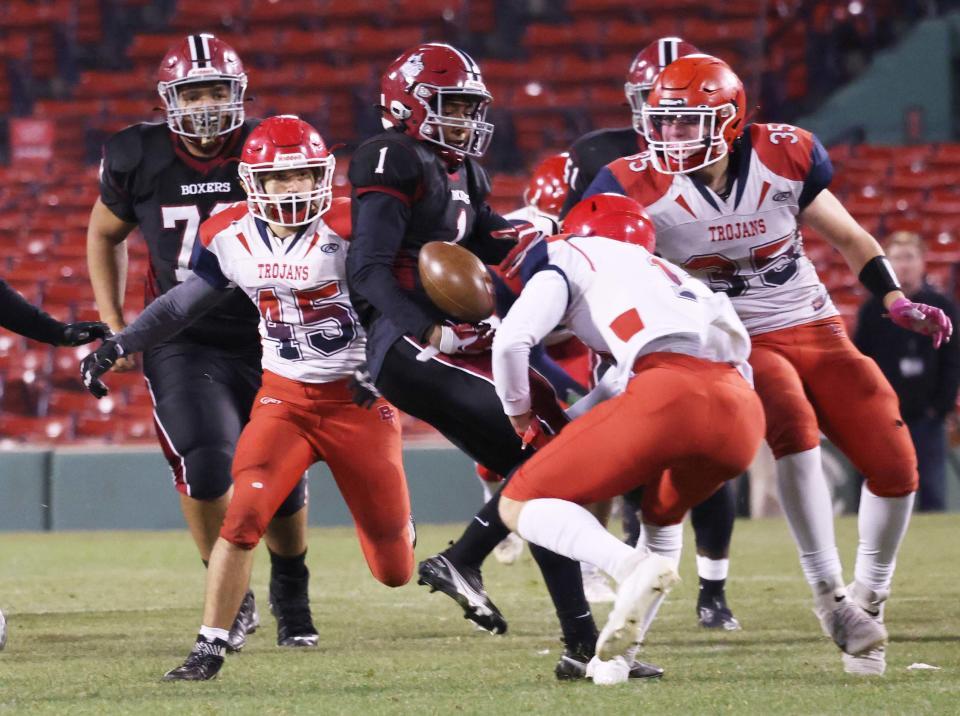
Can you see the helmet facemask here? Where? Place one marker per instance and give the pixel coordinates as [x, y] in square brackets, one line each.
[203, 122]
[289, 209]
[636, 94]
[478, 131]
[682, 156]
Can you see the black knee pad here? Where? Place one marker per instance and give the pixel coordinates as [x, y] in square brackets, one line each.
[295, 500]
[207, 472]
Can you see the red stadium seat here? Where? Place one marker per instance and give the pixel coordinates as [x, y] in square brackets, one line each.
[19, 428]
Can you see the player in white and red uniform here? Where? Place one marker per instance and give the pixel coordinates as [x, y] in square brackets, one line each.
[281, 250]
[726, 201]
[682, 419]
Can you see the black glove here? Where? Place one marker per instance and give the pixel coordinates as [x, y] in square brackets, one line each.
[96, 364]
[364, 392]
[78, 334]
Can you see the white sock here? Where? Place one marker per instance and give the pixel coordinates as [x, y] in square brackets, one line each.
[667, 541]
[882, 523]
[808, 507]
[212, 633]
[568, 529]
[712, 569]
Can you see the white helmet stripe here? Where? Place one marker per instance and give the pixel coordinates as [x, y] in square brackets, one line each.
[192, 44]
[205, 46]
[468, 62]
[668, 49]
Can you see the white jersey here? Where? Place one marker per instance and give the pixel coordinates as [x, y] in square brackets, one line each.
[621, 301]
[308, 327]
[748, 245]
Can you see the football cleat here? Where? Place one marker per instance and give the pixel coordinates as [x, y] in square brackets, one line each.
[3, 631]
[596, 588]
[575, 663]
[465, 586]
[874, 661]
[509, 549]
[713, 613]
[638, 598]
[246, 622]
[290, 605]
[850, 627]
[203, 663]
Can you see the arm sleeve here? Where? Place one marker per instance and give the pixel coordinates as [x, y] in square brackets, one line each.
[487, 248]
[818, 176]
[206, 264]
[535, 313]
[379, 222]
[170, 314]
[20, 316]
[603, 183]
[948, 379]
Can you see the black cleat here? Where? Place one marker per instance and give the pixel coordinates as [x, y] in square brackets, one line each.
[247, 621]
[465, 586]
[713, 613]
[290, 604]
[573, 665]
[203, 663]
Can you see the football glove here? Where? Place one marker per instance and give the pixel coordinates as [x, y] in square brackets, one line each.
[466, 338]
[923, 319]
[96, 364]
[527, 235]
[364, 393]
[78, 334]
[537, 435]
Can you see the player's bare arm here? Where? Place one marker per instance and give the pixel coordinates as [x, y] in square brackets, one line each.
[107, 262]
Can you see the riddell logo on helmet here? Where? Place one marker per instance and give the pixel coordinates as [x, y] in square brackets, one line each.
[672, 102]
[294, 157]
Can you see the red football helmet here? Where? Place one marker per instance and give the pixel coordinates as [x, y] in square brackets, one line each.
[547, 189]
[645, 67]
[693, 114]
[280, 144]
[614, 216]
[416, 87]
[202, 59]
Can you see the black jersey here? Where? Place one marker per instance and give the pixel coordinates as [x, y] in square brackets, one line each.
[404, 196]
[149, 179]
[591, 153]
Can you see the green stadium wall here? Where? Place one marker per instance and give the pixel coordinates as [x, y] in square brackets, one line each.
[117, 489]
[918, 73]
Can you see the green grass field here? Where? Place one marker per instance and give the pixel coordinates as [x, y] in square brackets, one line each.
[96, 618]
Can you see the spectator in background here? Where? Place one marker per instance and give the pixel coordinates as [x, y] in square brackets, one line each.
[925, 379]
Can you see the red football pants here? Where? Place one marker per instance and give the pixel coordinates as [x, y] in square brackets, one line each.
[812, 378]
[294, 425]
[698, 419]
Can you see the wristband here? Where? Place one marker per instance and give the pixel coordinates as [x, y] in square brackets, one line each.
[878, 277]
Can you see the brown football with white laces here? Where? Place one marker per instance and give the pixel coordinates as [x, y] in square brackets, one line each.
[456, 281]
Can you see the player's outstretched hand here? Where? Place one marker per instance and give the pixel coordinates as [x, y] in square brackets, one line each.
[95, 364]
[526, 235]
[466, 338]
[363, 392]
[78, 334]
[923, 319]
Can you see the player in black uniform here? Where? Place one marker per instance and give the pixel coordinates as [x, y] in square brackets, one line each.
[414, 183]
[20, 316]
[166, 179]
[713, 519]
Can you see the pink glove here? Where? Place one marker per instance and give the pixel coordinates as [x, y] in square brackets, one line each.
[923, 319]
[466, 338]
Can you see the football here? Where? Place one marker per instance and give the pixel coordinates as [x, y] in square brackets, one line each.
[456, 281]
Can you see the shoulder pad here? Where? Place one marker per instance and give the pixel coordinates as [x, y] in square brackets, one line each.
[221, 220]
[338, 218]
[386, 160]
[784, 149]
[640, 181]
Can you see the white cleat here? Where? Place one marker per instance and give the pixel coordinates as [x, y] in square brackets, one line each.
[638, 599]
[3, 631]
[608, 673]
[596, 587]
[509, 549]
[850, 627]
[874, 661]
